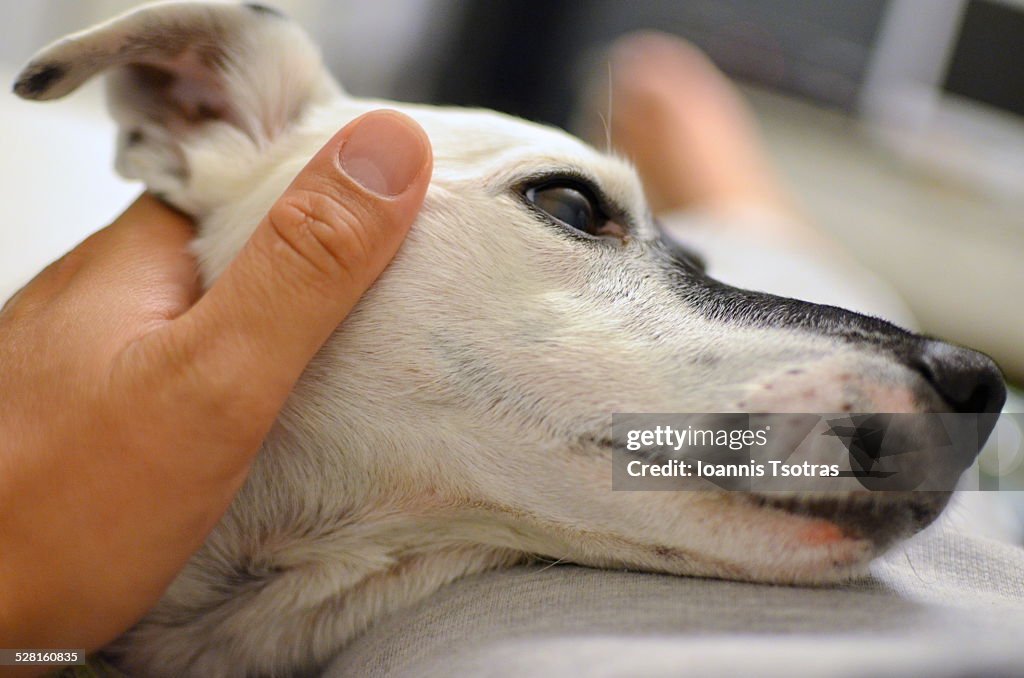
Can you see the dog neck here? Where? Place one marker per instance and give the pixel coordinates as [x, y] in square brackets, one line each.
[291, 591]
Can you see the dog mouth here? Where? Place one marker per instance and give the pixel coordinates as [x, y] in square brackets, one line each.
[881, 518]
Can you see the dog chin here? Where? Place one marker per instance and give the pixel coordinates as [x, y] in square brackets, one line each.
[828, 538]
[821, 558]
[799, 538]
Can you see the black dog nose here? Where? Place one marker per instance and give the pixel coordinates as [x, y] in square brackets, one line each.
[967, 380]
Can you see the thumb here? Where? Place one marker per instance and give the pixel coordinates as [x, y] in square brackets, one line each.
[310, 260]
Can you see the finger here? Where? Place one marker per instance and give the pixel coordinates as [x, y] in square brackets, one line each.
[310, 260]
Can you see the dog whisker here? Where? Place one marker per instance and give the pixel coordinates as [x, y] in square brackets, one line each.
[608, 122]
[551, 564]
[910, 562]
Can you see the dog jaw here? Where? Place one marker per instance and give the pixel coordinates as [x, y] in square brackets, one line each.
[293, 621]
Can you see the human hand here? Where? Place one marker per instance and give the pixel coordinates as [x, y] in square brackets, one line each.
[133, 404]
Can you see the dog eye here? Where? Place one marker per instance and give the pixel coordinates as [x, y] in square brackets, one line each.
[574, 206]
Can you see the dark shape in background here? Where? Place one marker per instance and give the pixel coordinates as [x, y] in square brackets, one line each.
[522, 56]
[988, 62]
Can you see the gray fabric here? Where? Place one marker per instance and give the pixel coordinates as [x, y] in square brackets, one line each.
[944, 605]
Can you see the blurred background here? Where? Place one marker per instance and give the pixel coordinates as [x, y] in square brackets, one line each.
[898, 124]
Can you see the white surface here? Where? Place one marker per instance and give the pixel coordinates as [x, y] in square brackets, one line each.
[57, 183]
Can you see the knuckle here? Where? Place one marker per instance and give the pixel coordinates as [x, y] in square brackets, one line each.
[328, 236]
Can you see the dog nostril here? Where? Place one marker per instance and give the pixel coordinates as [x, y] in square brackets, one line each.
[967, 380]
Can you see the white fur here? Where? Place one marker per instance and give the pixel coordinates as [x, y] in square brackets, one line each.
[448, 426]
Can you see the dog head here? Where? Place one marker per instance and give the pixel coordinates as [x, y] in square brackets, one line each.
[533, 298]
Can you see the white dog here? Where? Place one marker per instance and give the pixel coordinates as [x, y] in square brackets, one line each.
[460, 418]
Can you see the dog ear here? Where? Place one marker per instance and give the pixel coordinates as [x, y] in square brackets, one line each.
[181, 73]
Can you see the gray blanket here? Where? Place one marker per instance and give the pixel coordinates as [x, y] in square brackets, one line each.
[944, 605]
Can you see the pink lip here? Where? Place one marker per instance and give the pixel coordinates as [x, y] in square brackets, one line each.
[821, 532]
